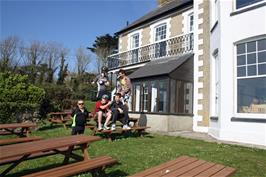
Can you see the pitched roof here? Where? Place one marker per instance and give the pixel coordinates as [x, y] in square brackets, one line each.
[158, 12]
[160, 66]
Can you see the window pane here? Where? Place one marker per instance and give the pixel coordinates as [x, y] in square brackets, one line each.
[137, 98]
[261, 69]
[241, 48]
[188, 97]
[241, 71]
[172, 96]
[252, 70]
[251, 95]
[262, 44]
[163, 96]
[243, 3]
[154, 91]
[145, 97]
[251, 58]
[262, 57]
[251, 46]
[241, 60]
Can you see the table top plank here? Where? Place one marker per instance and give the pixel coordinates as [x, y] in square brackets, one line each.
[227, 171]
[198, 169]
[214, 169]
[180, 171]
[16, 150]
[18, 125]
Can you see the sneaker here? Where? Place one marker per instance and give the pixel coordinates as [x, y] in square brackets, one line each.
[100, 128]
[126, 127]
[113, 127]
[105, 127]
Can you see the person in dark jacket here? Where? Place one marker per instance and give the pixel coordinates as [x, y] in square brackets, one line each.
[118, 111]
[79, 115]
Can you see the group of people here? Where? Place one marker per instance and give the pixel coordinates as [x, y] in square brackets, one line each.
[111, 110]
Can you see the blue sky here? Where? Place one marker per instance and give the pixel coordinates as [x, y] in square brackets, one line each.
[72, 23]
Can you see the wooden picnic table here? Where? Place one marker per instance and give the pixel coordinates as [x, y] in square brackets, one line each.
[187, 167]
[24, 151]
[60, 117]
[13, 128]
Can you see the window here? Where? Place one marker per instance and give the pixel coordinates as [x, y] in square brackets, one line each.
[145, 97]
[251, 76]
[134, 46]
[163, 89]
[243, 3]
[154, 95]
[160, 34]
[190, 22]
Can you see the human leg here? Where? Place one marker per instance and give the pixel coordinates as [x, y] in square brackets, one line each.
[108, 118]
[99, 117]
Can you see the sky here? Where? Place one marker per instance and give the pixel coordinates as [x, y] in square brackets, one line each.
[73, 23]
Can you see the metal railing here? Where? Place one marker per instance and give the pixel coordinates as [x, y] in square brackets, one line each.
[170, 47]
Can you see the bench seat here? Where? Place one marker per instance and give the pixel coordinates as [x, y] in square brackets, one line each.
[18, 140]
[92, 165]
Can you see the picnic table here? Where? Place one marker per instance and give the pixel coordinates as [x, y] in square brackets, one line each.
[62, 145]
[60, 117]
[187, 167]
[19, 129]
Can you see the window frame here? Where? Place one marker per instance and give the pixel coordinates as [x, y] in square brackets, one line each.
[248, 5]
[236, 113]
[155, 29]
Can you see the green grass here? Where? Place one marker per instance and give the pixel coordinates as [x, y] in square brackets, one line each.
[136, 154]
[90, 105]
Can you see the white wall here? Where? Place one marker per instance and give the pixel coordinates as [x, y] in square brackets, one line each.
[232, 29]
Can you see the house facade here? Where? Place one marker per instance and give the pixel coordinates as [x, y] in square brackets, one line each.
[238, 70]
[170, 54]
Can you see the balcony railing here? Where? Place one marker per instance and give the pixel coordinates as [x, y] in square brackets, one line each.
[170, 47]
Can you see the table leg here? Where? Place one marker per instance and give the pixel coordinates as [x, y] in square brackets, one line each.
[14, 165]
[85, 152]
[67, 155]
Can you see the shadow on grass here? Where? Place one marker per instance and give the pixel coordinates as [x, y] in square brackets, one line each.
[124, 135]
[116, 173]
[50, 127]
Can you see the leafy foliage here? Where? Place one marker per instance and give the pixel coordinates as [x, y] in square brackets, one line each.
[17, 96]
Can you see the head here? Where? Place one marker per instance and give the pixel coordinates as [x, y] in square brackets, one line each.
[81, 104]
[121, 73]
[104, 99]
[104, 69]
[117, 97]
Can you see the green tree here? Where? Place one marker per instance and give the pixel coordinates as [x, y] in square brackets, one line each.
[103, 47]
[17, 97]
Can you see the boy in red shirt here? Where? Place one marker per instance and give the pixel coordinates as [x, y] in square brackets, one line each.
[102, 109]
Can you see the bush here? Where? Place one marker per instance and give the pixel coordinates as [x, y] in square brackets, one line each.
[18, 97]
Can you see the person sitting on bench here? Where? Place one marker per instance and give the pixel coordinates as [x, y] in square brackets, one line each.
[102, 110]
[118, 111]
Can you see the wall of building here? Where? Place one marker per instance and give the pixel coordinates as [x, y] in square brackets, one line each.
[165, 123]
[201, 65]
[233, 28]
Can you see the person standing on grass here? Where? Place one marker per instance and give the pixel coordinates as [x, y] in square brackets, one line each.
[102, 110]
[124, 86]
[79, 115]
[119, 111]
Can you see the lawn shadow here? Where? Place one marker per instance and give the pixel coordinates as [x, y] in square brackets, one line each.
[117, 173]
[49, 127]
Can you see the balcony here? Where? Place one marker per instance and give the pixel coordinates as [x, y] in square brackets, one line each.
[171, 47]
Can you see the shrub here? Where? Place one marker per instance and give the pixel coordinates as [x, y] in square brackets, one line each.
[18, 97]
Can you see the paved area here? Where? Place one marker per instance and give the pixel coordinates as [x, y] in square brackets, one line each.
[208, 138]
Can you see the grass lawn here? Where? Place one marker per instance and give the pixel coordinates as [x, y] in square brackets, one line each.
[136, 154]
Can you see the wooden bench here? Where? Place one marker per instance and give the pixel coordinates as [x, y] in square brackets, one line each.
[187, 167]
[18, 140]
[95, 166]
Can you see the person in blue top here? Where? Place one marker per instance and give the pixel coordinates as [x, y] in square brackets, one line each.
[79, 115]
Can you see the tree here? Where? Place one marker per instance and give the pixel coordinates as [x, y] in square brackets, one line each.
[8, 53]
[52, 59]
[82, 60]
[103, 47]
[63, 67]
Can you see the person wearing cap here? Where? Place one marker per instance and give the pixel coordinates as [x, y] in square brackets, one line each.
[79, 115]
[124, 85]
[102, 82]
[101, 110]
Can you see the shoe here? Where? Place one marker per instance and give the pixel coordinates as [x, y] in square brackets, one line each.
[126, 127]
[100, 128]
[105, 127]
[113, 127]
